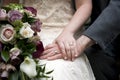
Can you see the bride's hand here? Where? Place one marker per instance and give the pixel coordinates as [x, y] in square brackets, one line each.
[51, 52]
[67, 45]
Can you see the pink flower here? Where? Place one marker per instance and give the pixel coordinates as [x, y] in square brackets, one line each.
[3, 14]
[6, 33]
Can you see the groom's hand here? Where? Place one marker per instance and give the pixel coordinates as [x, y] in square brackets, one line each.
[82, 43]
[52, 52]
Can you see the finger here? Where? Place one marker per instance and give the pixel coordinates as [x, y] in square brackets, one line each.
[62, 48]
[76, 53]
[68, 51]
[47, 51]
[57, 56]
[50, 52]
[79, 51]
[49, 46]
[47, 55]
[73, 52]
[54, 42]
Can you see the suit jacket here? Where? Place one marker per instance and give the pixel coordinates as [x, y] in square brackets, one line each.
[105, 27]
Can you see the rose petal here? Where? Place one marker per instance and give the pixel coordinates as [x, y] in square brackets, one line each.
[31, 9]
[39, 49]
[36, 26]
[14, 15]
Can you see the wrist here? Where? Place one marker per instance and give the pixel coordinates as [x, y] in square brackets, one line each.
[85, 41]
[68, 31]
[69, 28]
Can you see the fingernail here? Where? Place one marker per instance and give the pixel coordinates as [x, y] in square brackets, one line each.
[40, 58]
[48, 58]
[76, 55]
[65, 58]
[73, 59]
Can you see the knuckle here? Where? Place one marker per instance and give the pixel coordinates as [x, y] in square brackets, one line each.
[68, 48]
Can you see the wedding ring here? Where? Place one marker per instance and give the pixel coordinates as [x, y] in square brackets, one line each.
[71, 44]
[56, 52]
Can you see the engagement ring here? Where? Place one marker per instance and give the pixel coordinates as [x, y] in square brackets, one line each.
[56, 52]
[71, 44]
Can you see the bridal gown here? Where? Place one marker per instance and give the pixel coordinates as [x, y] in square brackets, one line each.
[55, 14]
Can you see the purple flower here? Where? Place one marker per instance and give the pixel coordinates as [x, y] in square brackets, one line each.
[36, 25]
[32, 10]
[3, 14]
[14, 15]
[15, 62]
[39, 49]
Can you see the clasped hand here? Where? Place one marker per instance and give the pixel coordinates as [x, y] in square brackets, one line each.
[66, 51]
[63, 47]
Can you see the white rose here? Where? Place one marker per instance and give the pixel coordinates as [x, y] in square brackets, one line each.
[29, 67]
[26, 31]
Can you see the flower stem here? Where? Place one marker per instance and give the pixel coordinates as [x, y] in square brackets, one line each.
[22, 75]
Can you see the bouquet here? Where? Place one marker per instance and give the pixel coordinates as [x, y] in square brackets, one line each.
[20, 45]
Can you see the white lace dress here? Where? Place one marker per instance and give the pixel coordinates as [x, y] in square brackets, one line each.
[55, 14]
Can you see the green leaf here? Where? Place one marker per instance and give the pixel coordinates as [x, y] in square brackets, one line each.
[13, 76]
[31, 47]
[52, 78]
[45, 76]
[43, 70]
[26, 46]
[15, 6]
[49, 72]
[6, 8]
[18, 24]
[31, 20]
[27, 18]
[5, 56]
[22, 76]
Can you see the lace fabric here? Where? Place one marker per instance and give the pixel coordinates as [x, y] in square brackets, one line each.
[55, 13]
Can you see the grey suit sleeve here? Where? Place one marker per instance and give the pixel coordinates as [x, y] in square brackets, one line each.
[107, 26]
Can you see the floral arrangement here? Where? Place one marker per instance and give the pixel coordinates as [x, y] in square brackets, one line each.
[20, 45]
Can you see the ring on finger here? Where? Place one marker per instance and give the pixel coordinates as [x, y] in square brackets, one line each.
[71, 43]
[56, 52]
